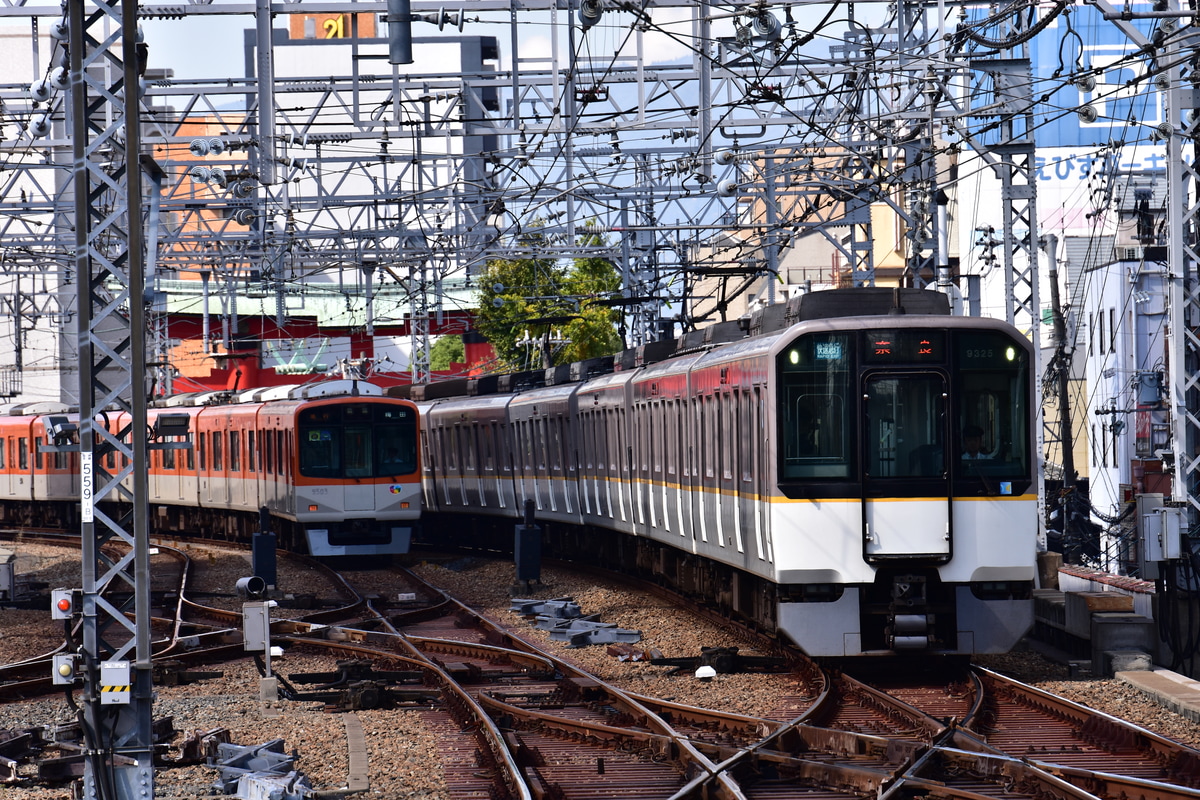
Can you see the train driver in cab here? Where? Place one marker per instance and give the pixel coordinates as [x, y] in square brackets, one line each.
[973, 443]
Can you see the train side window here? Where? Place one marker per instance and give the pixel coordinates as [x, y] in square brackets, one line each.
[708, 425]
[660, 444]
[601, 453]
[532, 435]
[728, 422]
[268, 459]
[749, 424]
[168, 459]
[251, 465]
[235, 451]
[469, 447]
[559, 446]
[22, 452]
[202, 442]
[670, 435]
[190, 459]
[487, 456]
[527, 439]
[218, 462]
[639, 423]
[543, 443]
[451, 443]
[39, 461]
[110, 460]
[599, 445]
[685, 446]
[588, 430]
[3, 448]
[662, 457]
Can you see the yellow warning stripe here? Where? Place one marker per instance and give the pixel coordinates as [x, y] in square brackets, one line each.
[114, 688]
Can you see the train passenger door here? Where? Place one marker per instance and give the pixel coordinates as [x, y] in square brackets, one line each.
[906, 487]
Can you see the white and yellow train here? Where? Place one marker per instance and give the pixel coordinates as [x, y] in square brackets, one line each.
[816, 479]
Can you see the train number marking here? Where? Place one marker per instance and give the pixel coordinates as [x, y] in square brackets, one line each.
[86, 506]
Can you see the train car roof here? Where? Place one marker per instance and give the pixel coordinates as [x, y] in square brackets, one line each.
[338, 388]
[477, 401]
[659, 368]
[612, 379]
[544, 394]
[270, 394]
[35, 408]
[735, 351]
[900, 321]
[484, 408]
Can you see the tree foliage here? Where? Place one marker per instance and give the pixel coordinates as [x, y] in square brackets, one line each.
[447, 350]
[526, 304]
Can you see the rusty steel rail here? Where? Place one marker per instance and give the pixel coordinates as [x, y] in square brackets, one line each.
[1040, 727]
[946, 772]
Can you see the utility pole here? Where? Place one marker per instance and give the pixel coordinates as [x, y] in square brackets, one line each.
[1060, 367]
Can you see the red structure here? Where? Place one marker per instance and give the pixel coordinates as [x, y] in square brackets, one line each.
[241, 367]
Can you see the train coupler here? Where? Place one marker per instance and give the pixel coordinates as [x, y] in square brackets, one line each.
[910, 626]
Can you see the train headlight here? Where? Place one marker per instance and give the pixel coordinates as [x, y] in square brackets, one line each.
[1011, 354]
[794, 356]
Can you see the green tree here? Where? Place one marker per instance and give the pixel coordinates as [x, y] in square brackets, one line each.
[594, 331]
[526, 303]
[446, 350]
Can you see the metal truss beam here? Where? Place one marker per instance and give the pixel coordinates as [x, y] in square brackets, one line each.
[109, 260]
[1183, 258]
[377, 158]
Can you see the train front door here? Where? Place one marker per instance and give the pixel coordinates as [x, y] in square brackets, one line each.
[906, 486]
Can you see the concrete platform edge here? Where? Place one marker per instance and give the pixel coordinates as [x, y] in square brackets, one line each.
[1170, 689]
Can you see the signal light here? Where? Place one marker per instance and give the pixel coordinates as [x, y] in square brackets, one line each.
[63, 672]
[62, 603]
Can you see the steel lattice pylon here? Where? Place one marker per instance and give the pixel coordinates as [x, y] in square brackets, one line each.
[1183, 255]
[109, 263]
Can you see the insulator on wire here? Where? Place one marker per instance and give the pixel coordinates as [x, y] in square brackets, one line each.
[590, 12]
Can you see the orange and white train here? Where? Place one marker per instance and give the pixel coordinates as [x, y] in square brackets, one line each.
[336, 464]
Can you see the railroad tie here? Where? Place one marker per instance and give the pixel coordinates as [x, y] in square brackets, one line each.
[356, 742]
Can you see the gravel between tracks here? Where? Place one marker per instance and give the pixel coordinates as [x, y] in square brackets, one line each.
[401, 750]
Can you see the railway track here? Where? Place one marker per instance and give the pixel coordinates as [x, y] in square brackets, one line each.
[513, 720]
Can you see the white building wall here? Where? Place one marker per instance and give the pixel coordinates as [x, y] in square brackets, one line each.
[1125, 317]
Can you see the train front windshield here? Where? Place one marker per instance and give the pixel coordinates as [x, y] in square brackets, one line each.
[904, 411]
[361, 440]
